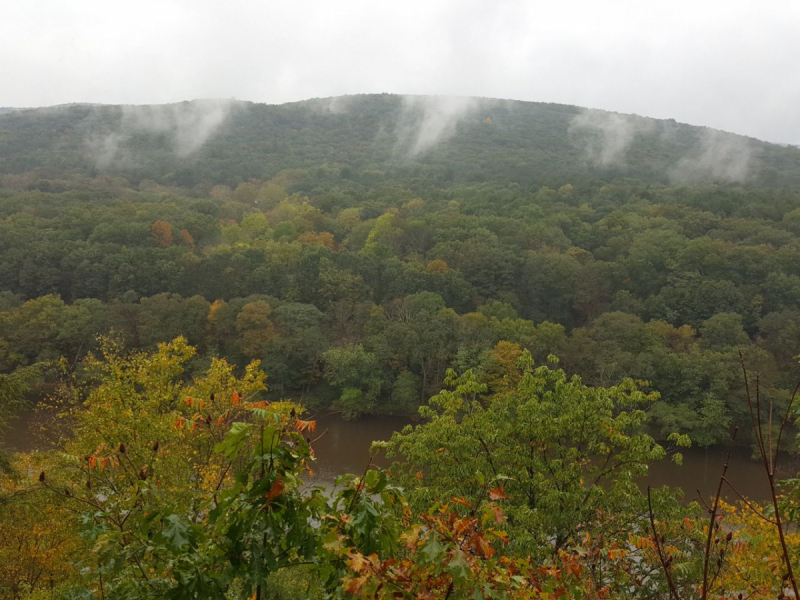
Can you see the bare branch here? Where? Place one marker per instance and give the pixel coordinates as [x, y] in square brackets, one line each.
[664, 564]
[713, 517]
[749, 504]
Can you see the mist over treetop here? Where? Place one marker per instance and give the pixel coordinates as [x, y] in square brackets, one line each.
[437, 138]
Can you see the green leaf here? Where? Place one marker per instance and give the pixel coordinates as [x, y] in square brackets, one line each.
[479, 477]
[177, 532]
[234, 440]
[432, 550]
[458, 567]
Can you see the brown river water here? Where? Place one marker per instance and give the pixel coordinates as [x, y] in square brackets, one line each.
[344, 448]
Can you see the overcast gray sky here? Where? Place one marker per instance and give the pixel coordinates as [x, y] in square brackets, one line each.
[730, 64]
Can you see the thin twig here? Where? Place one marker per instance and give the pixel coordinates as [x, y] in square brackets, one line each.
[719, 569]
[703, 500]
[758, 410]
[750, 404]
[664, 565]
[100, 574]
[785, 420]
[747, 502]
[771, 479]
[713, 518]
[769, 432]
[320, 436]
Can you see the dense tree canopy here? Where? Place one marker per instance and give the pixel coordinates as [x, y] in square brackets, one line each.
[656, 283]
[587, 311]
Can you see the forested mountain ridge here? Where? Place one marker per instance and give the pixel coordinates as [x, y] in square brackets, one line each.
[401, 138]
[581, 284]
[361, 246]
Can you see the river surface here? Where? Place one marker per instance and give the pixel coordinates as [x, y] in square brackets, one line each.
[343, 447]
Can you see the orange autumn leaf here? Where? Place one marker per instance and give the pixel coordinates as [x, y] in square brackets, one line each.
[276, 489]
[572, 566]
[309, 426]
[501, 535]
[498, 494]
[354, 584]
[484, 547]
[497, 513]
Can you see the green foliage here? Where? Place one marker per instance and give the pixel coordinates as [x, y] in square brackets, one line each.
[610, 267]
[361, 283]
[529, 143]
[178, 498]
[178, 488]
[566, 455]
[355, 371]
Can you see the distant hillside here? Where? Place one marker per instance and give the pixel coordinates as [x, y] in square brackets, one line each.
[380, 138]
